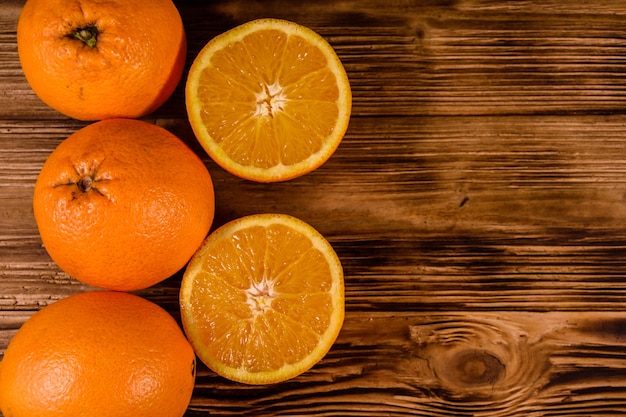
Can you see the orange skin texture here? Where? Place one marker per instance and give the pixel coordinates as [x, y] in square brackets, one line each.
[98, 353]
[148, 206]
[134, 68]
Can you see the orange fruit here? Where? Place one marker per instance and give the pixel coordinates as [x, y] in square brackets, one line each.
[262, 300]
[123, 204]
[268, 100]
[99, 59]
[100, 353]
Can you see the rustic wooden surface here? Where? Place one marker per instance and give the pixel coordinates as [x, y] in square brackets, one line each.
[477, 202]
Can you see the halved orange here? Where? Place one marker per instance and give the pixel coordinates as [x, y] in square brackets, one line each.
[262, 300]
[268, 100]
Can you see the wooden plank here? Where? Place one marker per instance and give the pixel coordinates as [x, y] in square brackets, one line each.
[424, 212]
[433, 58]
[449, 364]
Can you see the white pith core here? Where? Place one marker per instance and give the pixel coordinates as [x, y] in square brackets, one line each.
[260, 296]
[270, 100]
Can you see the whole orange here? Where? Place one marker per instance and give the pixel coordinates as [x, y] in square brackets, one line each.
[123, 204]
[99, 59]
[99, 353]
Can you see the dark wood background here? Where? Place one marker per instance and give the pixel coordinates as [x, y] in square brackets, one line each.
[477, 202]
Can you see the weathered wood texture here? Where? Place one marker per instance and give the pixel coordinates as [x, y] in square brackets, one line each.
[478, 204]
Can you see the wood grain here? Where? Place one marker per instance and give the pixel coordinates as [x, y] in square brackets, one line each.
[450, 364]
[477, 202]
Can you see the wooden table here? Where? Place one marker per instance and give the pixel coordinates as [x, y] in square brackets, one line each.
[477, 202]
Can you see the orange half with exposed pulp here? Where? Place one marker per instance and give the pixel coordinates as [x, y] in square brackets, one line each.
[268, 100]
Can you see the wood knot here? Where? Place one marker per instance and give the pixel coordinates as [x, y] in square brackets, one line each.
[475, 359]
[470, 368]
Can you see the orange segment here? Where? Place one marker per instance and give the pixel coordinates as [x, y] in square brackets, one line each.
[268, 100]
[262, 301]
